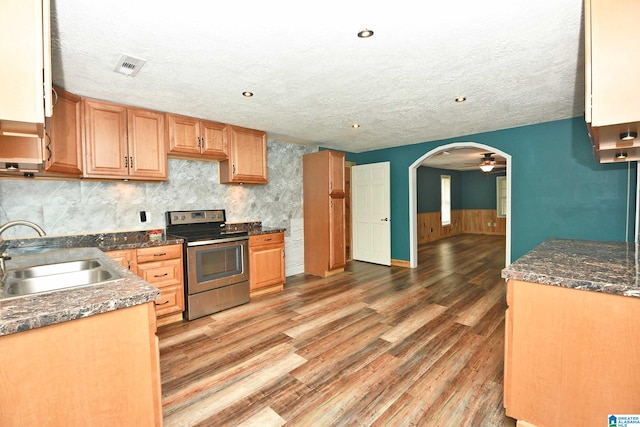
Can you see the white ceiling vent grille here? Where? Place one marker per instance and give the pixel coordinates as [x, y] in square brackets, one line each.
[129, 66]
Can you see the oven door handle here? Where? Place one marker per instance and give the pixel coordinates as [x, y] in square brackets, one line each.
[214, 241]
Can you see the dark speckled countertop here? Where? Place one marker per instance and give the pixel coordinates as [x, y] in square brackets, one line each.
[47, 308]
[32, 311]
[608, 267]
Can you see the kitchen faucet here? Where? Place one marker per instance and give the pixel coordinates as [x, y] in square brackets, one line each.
[10, 224]
[5, 256]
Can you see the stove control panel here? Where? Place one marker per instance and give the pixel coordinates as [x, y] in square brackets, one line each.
[195, 217]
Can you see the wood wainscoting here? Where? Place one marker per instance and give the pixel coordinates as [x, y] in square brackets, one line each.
[471, 221]
[430, 226]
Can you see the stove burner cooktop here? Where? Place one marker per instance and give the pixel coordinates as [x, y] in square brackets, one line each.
[196, 226]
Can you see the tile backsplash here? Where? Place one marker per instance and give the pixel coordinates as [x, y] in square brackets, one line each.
[63, 207]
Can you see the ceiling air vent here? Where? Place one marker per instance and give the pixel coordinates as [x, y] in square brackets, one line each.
[129, 66]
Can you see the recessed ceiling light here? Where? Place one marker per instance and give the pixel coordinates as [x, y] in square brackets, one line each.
[355, 125]
[461, 99]
[247, 94]
[365, 34]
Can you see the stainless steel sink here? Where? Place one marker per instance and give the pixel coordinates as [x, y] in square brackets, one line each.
[58, 281]
[63, 275]
[59, 268]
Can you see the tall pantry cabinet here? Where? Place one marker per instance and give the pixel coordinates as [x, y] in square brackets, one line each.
[324, 213]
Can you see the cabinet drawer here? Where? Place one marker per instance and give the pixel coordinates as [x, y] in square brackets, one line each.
[171, 301]
[162, 273]
[158, 253]
[266, 239]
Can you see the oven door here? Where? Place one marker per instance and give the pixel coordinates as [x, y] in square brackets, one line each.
[216, 264]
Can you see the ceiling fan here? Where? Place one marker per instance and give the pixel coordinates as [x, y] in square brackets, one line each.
[488, 163]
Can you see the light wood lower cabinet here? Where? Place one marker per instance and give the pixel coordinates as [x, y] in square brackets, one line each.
[570, 355]
[99, 370]
[266, 263]
[162, 267]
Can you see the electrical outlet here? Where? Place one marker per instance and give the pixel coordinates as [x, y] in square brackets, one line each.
[488, 224]
[144, 216]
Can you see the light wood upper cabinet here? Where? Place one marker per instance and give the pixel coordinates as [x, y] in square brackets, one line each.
[197, 139]
[25, 74]
[247, 162]
[612, 89]
[147, 154]
[336, 173]
[63, 144]
[123, 142]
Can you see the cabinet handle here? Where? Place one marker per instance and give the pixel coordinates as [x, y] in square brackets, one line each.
[162, 254]
[267, 240]
[53, 89]
[163, 303]
[130, 161]
[126, 162]
[234, 169]
[160, 275]
[48, 147]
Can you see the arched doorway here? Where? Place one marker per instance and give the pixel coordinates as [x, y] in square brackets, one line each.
[413, 196]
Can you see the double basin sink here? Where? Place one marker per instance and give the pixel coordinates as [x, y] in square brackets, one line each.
[56, 276]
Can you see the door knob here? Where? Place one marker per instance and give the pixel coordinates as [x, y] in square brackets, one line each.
[384, 219]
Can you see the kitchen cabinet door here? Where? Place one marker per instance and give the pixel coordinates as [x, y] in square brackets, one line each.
[183, 134]
[25, 74]
[125, 257]
[266, 263]
[613, 95]
[213, 138]
[63, 147]
[196, 139]
[106, 148]
[123, 143]
[336, 174]
[247, 162]
[337, 257]
[146, 145]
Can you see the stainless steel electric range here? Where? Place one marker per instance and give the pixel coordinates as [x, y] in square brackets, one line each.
[216, 261]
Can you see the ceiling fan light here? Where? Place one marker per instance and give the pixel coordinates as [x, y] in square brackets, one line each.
[621, 156]
[628, 136]
[486, 168]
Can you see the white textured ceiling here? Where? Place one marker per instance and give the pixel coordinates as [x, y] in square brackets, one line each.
[518, 62]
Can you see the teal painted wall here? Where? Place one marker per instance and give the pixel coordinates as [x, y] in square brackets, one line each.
[479, 190]
[428, 189]
[558, 189]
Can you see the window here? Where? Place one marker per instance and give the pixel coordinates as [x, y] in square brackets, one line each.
[445, 199]
[501, 193]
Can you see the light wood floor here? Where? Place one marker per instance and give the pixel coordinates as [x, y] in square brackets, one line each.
[384, 346]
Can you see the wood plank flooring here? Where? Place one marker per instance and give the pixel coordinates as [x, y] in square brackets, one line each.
[373, 346]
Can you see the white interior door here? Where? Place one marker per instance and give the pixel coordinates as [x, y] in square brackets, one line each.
[370, 189]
